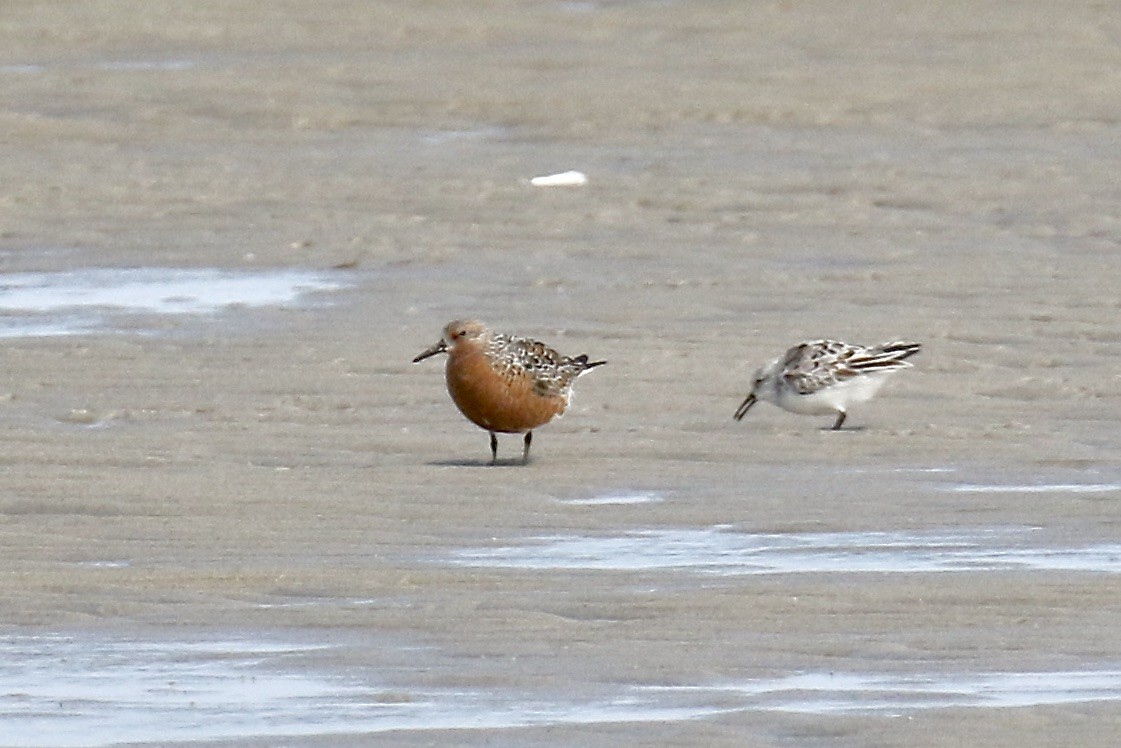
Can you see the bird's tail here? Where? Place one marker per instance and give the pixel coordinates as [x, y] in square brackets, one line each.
[584, 364]
[885, 357]
[900, 350]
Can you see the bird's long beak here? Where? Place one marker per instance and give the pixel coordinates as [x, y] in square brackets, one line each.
[745, 406]
[440, 347]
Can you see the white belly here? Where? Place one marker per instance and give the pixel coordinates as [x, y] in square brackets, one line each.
[837, 397]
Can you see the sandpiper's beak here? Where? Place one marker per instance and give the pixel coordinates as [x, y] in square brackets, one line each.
[745, 406]
[440, 347]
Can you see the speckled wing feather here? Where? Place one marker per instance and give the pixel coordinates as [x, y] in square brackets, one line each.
[552, 373]
[810, 367]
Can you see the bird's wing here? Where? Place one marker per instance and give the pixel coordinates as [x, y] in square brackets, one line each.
[810, 367]
[523, 357]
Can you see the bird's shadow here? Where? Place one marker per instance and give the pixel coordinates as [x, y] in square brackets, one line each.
[845, 429]
[508, 462]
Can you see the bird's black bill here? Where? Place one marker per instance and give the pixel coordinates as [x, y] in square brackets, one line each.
[745, 406]
[440, 347]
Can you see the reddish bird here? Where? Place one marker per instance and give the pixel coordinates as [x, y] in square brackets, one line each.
[505, 384]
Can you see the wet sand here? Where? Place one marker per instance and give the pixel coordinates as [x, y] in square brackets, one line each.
[281, 477]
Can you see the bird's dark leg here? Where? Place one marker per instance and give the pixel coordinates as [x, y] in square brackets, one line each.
[493, 448]
[525, 452]
[840, 419]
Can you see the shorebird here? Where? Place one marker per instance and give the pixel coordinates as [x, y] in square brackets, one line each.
[505, 384]
[826, 376]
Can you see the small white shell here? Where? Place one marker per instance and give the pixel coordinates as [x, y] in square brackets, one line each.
[564, 179]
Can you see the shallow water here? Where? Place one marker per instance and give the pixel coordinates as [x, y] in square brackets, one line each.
[140, 65]
[89, 691]
[1036, 488]
[83, 690]
[886, 694]
[724, 550]
[96, 299]
[617, 499]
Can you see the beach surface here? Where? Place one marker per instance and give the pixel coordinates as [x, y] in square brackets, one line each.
[233, 512]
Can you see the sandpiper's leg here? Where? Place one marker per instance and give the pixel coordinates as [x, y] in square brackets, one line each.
[525, 452]
[493, 448]
[840, 419]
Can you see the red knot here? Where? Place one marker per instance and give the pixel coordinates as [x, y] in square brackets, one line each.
[505, 384]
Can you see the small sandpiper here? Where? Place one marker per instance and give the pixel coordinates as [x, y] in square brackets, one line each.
[826, 376]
